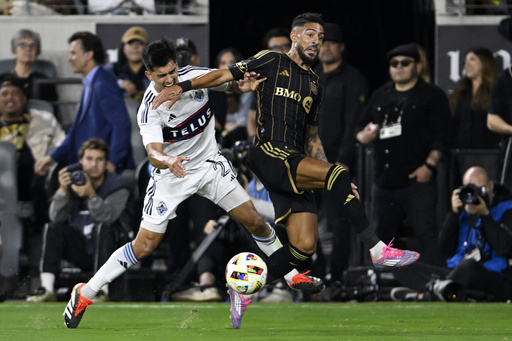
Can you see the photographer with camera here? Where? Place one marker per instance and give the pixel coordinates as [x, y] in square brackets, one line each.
[477, 233]
[88, 195]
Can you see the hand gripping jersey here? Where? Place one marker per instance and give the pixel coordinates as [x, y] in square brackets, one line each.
[288, 100]
[188, 128]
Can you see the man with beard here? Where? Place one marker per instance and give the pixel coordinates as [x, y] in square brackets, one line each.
[408, 121]
[288, 156]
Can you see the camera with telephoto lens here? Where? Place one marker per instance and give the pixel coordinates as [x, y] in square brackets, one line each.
[77, 174]
[469, 194]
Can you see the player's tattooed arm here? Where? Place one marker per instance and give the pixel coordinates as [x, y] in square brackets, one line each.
[314, 147]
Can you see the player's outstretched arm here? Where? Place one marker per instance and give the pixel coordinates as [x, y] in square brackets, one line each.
[159, 159]
[207, 80]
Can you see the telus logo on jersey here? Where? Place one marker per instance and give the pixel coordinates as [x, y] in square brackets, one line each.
[194, 125]
[306, 103]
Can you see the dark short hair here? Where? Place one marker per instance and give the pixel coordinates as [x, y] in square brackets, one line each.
[91, 42]
[158, 53]
[94, 143]
[236, 54]
[275, 32]
[24, 33]
[305, 18]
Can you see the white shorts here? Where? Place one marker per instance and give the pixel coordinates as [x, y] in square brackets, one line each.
[215, 180]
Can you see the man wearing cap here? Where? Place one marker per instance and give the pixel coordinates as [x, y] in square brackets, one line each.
[187, 52]
[129, 68]
[101, 111]
[408, 122]
[346, 91]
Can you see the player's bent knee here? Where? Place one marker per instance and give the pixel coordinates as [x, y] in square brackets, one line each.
[308, 249]
[305, 245]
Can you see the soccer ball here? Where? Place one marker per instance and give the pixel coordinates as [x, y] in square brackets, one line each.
[246, 273]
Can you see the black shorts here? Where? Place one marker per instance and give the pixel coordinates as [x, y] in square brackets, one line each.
[275, 164]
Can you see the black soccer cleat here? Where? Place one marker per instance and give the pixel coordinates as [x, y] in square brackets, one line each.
[76, 307]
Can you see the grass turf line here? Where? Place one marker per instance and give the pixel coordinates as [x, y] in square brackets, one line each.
[270, 321]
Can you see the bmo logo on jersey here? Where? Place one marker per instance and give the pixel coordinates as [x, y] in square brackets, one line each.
[306, 103]
[194, 125]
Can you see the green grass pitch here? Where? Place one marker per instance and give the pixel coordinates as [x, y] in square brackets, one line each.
[262, 321]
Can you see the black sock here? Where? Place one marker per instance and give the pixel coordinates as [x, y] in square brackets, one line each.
[285, 260]
[338, 180]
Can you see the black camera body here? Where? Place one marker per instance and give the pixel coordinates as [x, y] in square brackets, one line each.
[469, 194]
[184, 58]
[78, 176]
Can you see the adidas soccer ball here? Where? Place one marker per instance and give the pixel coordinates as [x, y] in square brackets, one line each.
[246, 273]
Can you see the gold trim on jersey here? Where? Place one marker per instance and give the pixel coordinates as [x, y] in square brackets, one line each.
[262, 53]
[274, 152]
[278, 153]
[279, 220]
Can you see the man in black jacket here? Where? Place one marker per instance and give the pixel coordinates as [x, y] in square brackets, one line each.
[408, 121]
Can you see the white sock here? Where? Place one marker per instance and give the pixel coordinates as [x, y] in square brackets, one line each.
[288, 277]
[105, 289]
[269, 244]
[115, 266]
[48, 281]
[376, 251]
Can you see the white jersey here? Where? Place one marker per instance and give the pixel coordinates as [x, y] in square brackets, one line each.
[188, 128]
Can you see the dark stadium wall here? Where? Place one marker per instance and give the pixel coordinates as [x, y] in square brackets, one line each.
[370, 27]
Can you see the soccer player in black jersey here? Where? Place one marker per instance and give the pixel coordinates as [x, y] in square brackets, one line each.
[288, 156]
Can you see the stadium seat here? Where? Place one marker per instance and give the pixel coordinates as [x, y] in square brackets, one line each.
[10, 230]
[40, 104]
[138, 150]
[41, 65]
[106, 238]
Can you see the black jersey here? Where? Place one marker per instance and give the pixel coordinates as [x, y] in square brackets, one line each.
[288, 100]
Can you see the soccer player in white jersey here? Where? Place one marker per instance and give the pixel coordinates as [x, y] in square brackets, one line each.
[181, 147]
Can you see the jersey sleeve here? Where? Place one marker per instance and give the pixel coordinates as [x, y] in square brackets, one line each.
[149, 120]
[315, 108]
[257, 63]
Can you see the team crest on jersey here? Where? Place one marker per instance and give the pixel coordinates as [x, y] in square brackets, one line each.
[307, 103]
[242, 66]
[161, 208]
[199, 95]
[314, 87]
